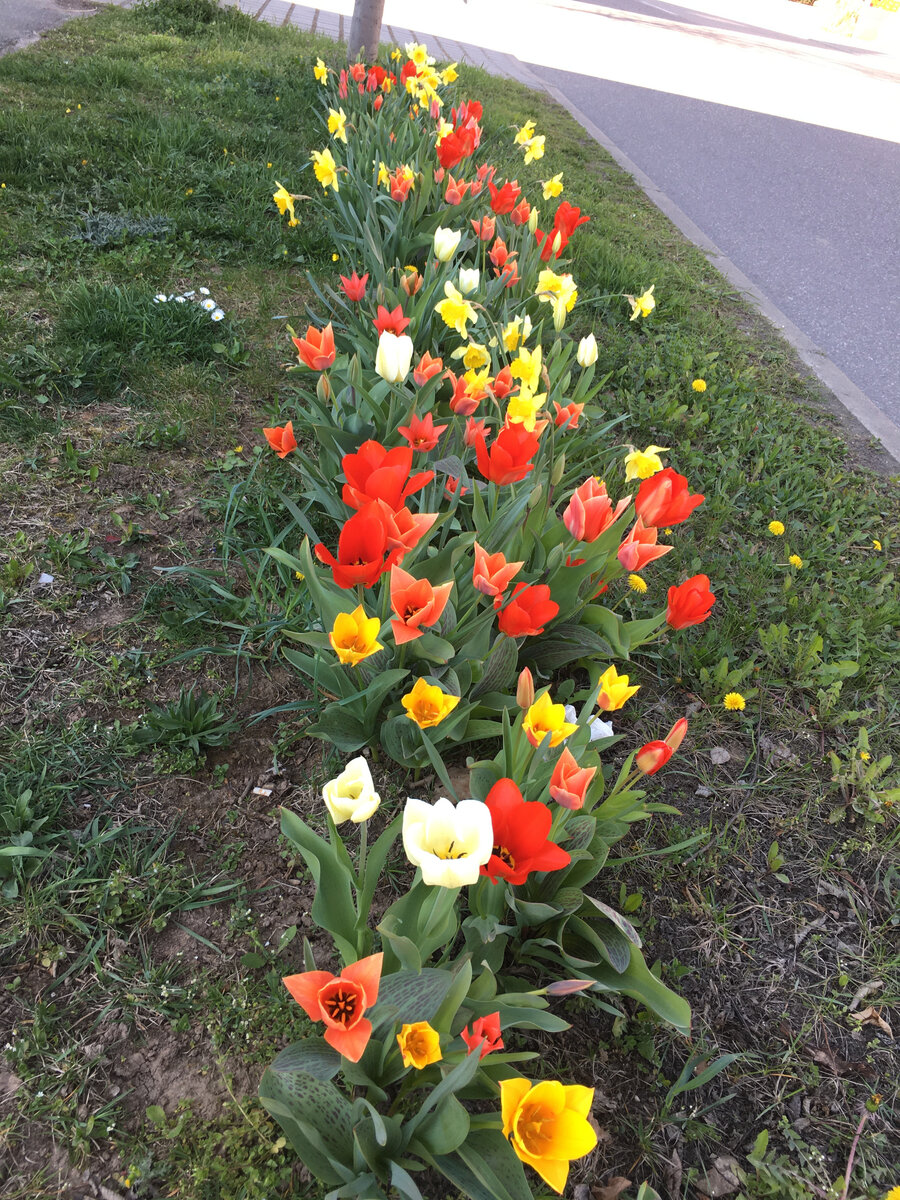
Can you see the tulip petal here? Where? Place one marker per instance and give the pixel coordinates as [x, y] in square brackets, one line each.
[305, 988]
[351, 1043]
[366, 973]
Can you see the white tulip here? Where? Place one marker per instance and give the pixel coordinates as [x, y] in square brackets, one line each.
[469, 279]
[394, 356]
[450, 843]
[587, 351]
[445, 243]
[351, 796]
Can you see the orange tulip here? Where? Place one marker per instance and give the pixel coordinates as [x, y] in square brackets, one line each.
[317, 348]
[639, 548]
[281, 439]
[427, 367]
[569, 782]
[590, 512]
[568, 415]
[492, 573]
[340, 1001]
[416, 603]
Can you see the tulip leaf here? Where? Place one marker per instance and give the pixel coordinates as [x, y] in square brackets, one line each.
[315, 1117]
[445, 1129]
[485, 1167]
[408, 996]
[333, 907]
[635, 633]
[340, 728]
[567, 643]
[404, 1183]
[624, 926]
[455, 1079]
[312, 1055]
[482, 778]
[533, 912]
[499, 668]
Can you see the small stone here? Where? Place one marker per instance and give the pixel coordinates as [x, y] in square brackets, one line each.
[702, 790]
[718, 756]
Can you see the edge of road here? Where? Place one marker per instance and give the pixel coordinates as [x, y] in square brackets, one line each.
[858, 409]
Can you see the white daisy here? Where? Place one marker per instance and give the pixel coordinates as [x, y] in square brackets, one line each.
[160, 298]
[179, 299]
[190, 295]
[217, 315]
[204, 291]
[207, 304]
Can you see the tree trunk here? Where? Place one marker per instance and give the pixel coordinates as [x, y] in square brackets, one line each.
[365, 29]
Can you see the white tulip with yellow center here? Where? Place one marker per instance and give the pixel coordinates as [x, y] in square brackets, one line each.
[394, 356]
[449, 842]
[351, 796]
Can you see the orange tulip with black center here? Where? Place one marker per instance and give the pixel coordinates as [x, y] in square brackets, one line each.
[520, 843]
[417, 603]
[341, 1002]
[375, 473]
[421, 432]
[363, 551]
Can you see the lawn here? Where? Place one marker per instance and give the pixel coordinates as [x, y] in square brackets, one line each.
[152, 725]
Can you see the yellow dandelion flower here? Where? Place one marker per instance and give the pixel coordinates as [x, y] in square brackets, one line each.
[776, 527]
[636, 583]
[699, 385]
[875, 542]
[735, 702]
[795, 560]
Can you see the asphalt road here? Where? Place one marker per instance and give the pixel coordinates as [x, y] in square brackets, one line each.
[809, 212]
[21, 21]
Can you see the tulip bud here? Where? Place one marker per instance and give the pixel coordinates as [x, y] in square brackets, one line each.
[651, 757]
[469, 278]
[554, 558]
[533, 219]
[675, 736]
[445, 243]
[536, 493]
[323, 388]
[394, 356]
[411, 282]
[566, 987]
[587, 351]
[525, 690]
[558, 469]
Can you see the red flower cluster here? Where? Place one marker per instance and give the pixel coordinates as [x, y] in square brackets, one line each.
[565, 221]
[465, 136]
[510, 456]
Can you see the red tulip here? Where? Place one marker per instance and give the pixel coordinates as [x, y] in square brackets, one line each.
[354, 288]
[652, 756]
[374, 473]
[567, 416]
[342, 85]
[690, 602]
[521, 844]
[639, 547]
[675, 736]
[394, 321]
[569, 782]
[492, 573]
[503, 199]
[568, 218]
[663, 499]
[485, 1032]
[521, 213]
[474, 429]
[499, 253]
[358, 72]
[427, 367]
[404, 529]
[400, 183]
[377, 102]
[317, 348]
[281, 439]
[510, 455]
[363, 552]
[485, 228]
[410, 71]
[590, 512]
[527, 611]
[416, 603]
[503, 384]
[421, 432]
[465, 398]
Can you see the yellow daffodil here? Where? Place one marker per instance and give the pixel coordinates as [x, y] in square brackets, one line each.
[419, 54]
[449, 74]
[474, 355]
[641, 464]
[321, 72]
[734, 702]
[614, 690]
[444, 127]
[558, 290]
[337, 124]
[524, 407]
[643, 305]
[547, 1125]
[515, 333]
[285, 202]
[427, 705]
[525, 134]
[354, 635]
[384, 179]
[396, 55]
[325, 168]
[535, 149]
[552, 187]
[543, 718]
[477, 380]
[527, 367]
[776, 527]
[448, 843]
[419, 1044]
[456, 310]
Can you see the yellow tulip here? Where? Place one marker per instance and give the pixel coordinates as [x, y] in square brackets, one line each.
[419, 1044]
[546, 1124]
[543, 718]
[427, 705]
[353, 637]
[614, 690]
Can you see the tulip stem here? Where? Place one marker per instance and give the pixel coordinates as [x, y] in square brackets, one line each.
[363, 844]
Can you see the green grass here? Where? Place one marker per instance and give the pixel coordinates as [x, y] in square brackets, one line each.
[120, 421]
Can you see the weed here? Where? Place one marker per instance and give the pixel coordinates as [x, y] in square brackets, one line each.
[194, 722]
